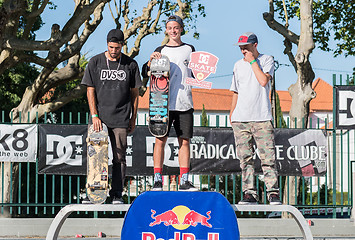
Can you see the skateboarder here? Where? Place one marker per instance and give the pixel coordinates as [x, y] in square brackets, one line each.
[180, 102]
[112, 79]
[250, 116]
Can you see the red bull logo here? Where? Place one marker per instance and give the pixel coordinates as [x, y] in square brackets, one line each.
[181, 217]
[179, 236]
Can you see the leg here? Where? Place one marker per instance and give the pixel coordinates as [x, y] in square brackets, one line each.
[243, 141]
[183, 125]
[184, 152]
[118, 137]
[158, 153]
[264, 137]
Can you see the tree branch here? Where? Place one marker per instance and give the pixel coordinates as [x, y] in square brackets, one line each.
[286, 33]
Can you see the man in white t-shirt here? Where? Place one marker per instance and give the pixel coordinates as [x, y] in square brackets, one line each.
[250, 116]
[180, 103]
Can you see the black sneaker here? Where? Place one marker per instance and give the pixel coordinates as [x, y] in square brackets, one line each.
[158, 186]
[86, 200]
[248, 199]
[274, 199]
[117, 200]
[188, 187]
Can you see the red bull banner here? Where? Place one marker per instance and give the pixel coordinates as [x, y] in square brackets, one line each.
[202, 65]
[180, 216]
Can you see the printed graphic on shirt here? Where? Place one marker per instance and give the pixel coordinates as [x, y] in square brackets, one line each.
[112, 75]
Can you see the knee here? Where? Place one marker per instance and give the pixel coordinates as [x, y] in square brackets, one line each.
[160, 142]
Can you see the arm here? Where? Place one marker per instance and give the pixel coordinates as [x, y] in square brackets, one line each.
[234, 104]
[145, 70]
[134, 105]
[90, 91]
[263, 78]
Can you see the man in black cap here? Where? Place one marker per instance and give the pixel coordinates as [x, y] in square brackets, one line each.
[250, 116]
[112, 79]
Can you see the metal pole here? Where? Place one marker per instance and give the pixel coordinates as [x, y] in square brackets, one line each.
[352, 216]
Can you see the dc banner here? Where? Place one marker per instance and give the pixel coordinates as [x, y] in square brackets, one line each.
[62, 149]
[18, 143]
[212, 151]
[345, 107]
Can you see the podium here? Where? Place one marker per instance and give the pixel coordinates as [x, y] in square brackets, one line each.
[180, 216]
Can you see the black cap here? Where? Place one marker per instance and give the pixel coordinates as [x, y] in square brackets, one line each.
[115, 35]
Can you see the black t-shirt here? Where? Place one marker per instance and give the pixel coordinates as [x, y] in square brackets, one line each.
[112, 87]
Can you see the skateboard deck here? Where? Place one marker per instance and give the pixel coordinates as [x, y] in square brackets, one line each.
[159, 96]
[97, 165]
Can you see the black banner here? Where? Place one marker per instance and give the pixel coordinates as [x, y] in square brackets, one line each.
[212, 150]
[62, 149]
[345, 107]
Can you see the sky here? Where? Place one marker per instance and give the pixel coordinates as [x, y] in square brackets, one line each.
[226, 20]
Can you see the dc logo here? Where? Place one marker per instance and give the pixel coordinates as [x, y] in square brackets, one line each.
[204, 59]
[346, 107]
[171, 151]
[64, 150]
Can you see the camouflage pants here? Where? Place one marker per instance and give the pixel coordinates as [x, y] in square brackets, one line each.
[263, 134]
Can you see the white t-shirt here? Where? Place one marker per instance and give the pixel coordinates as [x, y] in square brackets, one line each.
[180, 95]
[253, 103]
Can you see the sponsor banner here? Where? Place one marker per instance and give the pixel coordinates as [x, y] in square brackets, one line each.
[18, 142]
[181, 216]
[345, 107]
[62, 149]
[299, 152]
[202, 65]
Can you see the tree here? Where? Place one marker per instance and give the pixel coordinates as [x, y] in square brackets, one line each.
[333, 19]
[18, 22]
[204, 118]
[301, 91]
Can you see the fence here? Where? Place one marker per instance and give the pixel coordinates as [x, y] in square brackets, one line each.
[43, 195]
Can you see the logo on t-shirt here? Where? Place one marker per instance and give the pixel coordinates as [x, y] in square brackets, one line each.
[112, 75]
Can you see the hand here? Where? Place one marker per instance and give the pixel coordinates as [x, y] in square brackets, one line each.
[248, 56]
[155, 55]
[131, 125]
[97, 124]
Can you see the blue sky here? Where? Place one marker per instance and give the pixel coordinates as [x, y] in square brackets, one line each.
[219, 30]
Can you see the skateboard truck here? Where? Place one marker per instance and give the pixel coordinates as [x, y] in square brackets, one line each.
[96, 186]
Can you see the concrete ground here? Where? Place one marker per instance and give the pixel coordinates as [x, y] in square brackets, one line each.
[17, 228]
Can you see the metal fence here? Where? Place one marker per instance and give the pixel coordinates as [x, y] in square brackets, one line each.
[42, 195]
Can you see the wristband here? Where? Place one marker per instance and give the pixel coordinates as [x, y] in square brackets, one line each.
[251, 63]
[94, 115]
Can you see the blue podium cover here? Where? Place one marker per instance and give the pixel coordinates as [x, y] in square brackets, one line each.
[180, 216]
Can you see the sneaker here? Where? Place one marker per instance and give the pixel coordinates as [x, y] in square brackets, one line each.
[248, 199]
[86, 200]
[188, 187]
[117, 200]
[274, 199]
[158, 186]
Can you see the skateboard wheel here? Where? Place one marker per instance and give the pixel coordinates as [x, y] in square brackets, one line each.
[165, 119]
[166, 74]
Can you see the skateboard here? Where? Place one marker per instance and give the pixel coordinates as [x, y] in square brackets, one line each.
[97, 165]
[158, 119]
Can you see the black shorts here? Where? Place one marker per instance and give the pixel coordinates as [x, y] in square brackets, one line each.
[183, 123]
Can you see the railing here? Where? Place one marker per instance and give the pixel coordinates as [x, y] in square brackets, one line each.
[43, 195]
